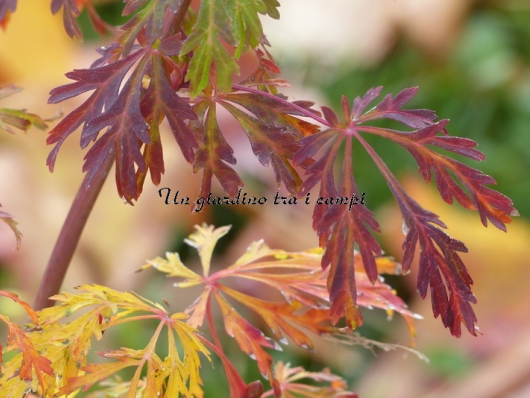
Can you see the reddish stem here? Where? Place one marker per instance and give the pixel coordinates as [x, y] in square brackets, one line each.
[209, 319]
[70, 234]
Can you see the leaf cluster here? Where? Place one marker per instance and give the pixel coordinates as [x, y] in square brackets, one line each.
[49, 357]
[173, 63]
[177, 63]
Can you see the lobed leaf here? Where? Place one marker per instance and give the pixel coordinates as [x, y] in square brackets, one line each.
[214, 152]
[340, 227]
[60, 349]
[272, 127]
[245, 24]
[30, 361]
[149, 23]
[300, 280]
[272, 144]
[128, 113]
[249, 338]
[206, 41]
[71, 11]
[289, 383]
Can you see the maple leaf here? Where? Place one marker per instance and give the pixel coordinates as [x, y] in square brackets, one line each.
[53, 348]
[214, 152]
[298, 277]
[17, 118]
[71, 11]
[272, 128]
[211, 27]
[249, 338]
[152, 18]
[288, 379]
[177, 372]
[245, 24]
[129, 113]
[30, 359]
[341, 225]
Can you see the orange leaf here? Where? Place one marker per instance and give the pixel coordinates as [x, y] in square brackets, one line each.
[249, 338]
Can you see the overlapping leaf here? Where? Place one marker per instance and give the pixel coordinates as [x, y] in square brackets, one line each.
[206, 41]
[299, 279]
[152, 18]
[245, 24]
[214, 152]
[71, 11]
[130, 114]
[339, 226]
[60, 349]
[272, 127]
[30, 361]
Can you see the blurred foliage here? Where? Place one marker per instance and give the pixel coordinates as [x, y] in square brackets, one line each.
[449, 362]
[110, 11]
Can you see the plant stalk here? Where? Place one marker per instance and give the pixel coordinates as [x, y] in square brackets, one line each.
[70, 234]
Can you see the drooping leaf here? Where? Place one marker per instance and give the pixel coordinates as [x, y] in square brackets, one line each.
[273, 128]
[341, 223]
[271, 144]
[19, 119]
[8, 219]
[249, 338]
[128, 112]
[214, 152]
[161, 101]
[71, 11]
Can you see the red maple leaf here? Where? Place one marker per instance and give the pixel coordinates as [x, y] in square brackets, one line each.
[340, 226]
